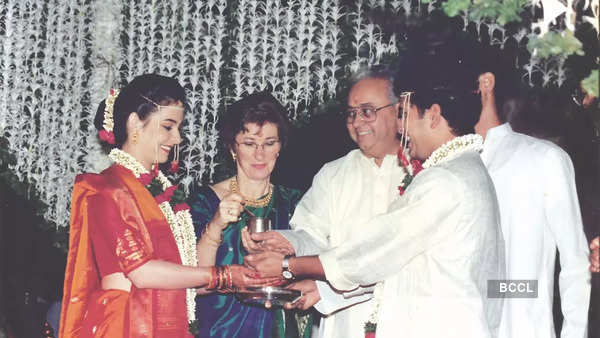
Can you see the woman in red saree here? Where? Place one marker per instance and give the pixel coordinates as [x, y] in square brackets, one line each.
[132, 262]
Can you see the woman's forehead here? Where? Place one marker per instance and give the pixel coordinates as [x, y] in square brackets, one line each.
[268, 129]
[171, 112]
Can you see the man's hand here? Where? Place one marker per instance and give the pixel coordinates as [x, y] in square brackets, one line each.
[595, 254]
[267, 241]
[310, 294]
[251, 246]
[267, 263]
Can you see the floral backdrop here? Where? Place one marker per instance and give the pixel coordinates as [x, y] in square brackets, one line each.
[59, 58]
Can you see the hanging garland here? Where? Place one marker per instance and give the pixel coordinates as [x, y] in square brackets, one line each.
[171, 201]
[55, 65]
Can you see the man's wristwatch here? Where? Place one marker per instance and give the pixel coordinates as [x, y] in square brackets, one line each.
[286, 272]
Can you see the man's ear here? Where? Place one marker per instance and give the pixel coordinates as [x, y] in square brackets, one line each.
[487, 82]
[434, 115]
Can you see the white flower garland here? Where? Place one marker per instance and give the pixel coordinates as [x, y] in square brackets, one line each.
[454, 147]
[180, 222]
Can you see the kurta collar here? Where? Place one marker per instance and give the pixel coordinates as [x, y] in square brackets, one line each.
[493, 137]
[388, 161]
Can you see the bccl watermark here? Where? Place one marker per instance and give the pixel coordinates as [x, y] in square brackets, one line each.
[512, 288]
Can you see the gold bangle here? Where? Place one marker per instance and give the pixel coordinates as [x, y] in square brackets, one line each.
[212, 240]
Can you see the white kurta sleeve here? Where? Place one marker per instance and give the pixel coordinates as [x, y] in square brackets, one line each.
[562, 211]
[312, 215]
[332, 301]
[424, 216]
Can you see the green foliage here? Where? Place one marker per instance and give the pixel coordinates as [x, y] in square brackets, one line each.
[555, 44]
[502, 12]
[370, 327]
[453, 8]
[194, 327]
[590, 83]
[178, 196]
[155, 187]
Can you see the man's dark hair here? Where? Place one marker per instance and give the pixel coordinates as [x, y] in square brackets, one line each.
[445, 74]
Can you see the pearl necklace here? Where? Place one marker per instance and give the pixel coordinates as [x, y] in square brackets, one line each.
[454, 147]
[180, 223]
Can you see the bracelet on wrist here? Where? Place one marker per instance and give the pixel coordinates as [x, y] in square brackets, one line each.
[213, 278]
[206, 235]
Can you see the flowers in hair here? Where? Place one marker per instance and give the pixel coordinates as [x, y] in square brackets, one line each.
[107, 135]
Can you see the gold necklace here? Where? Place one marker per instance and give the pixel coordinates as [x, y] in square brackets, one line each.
[257, 203]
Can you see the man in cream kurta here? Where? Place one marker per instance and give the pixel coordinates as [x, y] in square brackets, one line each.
[539, 209]
[331, 212]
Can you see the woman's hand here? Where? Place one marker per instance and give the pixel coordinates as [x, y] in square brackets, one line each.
[229, 210]
[267, 263]
[245, 277]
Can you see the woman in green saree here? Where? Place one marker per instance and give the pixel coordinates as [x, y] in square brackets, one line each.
[254, 130]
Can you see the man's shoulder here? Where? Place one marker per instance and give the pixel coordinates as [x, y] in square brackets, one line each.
[460, 172]
[534, 144]
[333, 166]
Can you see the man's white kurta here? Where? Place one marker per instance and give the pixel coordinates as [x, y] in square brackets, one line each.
[435, 249]
[539, 212]
[344, 195]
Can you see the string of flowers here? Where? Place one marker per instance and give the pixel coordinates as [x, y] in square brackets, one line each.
[171, 201]
[454, 147]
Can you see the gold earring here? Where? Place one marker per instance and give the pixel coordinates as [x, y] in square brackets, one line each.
[134, 137]
[234, 156]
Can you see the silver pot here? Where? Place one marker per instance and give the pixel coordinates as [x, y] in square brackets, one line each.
[259, 224]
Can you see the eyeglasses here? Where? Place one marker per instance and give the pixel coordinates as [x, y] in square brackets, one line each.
[367, 113]
[268, 147]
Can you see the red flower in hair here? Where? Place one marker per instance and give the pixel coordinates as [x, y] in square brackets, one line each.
[107, 136]
[180, 207]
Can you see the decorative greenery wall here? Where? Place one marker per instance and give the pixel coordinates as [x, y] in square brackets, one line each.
[59, 59]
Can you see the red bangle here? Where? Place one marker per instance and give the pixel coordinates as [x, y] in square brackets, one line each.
[221, 278]
[213, 278]
[230, 278]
